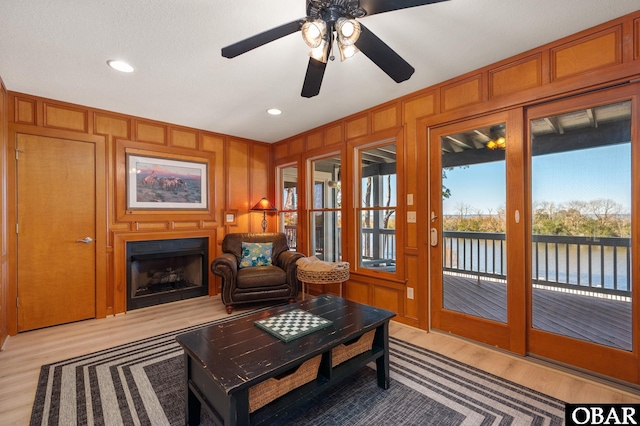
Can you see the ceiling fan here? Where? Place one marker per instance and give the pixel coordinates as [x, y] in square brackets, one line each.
[335, 20]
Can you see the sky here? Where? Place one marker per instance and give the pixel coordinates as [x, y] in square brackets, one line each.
[584, 175]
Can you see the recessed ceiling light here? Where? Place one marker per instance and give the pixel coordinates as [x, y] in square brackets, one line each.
[120, 66]
[274, 111]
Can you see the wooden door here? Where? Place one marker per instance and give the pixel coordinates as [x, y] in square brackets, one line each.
[56, 211]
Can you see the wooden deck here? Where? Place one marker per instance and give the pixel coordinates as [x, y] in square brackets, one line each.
[594, 319]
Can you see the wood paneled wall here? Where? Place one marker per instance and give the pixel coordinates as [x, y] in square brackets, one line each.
[4, 256]
[238, 177]
[602, 56]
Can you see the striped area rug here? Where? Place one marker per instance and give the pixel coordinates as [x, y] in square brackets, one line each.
[142, 384]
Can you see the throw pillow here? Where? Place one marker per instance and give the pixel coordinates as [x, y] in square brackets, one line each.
[256, 254]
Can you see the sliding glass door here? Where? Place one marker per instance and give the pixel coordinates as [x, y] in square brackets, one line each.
[533, 231]
[470, 230]
[584, 200]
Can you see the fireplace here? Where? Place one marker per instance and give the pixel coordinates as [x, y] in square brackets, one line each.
[162, 271]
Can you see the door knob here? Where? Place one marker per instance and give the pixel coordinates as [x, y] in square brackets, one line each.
[86, 240]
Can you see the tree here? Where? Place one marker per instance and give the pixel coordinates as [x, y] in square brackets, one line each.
[389, 213]
[600, 217]
[607, 214]
[446, 192]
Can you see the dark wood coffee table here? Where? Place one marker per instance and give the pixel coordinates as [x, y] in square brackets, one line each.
[222, 362]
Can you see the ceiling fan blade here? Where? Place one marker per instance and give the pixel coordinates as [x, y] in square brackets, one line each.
[258, 40]
[313, 79]
[380, 6]
[383, 56]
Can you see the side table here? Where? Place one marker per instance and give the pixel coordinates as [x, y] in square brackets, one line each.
[323, 277]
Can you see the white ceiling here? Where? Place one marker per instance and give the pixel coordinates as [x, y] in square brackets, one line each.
[58, 49]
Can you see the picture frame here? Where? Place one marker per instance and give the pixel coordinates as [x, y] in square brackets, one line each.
[162, 183]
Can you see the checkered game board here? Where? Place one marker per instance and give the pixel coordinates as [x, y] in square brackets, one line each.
[292, 324]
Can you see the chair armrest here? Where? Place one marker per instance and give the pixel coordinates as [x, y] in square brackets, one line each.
[286, 259]
[225, 266]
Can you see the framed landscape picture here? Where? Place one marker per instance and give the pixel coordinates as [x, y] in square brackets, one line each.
[165, 184]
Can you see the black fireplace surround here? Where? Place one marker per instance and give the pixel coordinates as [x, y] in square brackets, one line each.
[163, 271]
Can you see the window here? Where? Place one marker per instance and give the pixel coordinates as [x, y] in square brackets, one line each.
[325, 209]
[377, 208]
[289, 204]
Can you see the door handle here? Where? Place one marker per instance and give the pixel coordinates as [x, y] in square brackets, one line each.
[434, 237]
[86, 240]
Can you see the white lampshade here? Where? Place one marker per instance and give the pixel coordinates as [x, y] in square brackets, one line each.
[321, 52]
[347, 51]
[348, 31]
[313, 32]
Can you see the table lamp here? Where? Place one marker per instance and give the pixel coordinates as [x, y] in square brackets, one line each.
[264, 206]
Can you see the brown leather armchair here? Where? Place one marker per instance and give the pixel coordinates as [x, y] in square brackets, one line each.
[256, 283]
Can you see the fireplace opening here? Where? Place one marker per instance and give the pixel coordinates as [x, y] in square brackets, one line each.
[163, 271]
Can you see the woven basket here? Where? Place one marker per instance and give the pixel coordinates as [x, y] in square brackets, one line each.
[343, 352]
[323, 277]
[272, 388]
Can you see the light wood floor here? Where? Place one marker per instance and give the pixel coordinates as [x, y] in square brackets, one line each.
[24, 354]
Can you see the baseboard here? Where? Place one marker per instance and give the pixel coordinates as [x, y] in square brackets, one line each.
[612, 382]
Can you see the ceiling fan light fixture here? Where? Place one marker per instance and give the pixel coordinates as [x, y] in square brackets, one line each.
[347, 51]
[348, 30]
[498, 143]
[320, 53]
[336, 20]
[314, 32]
